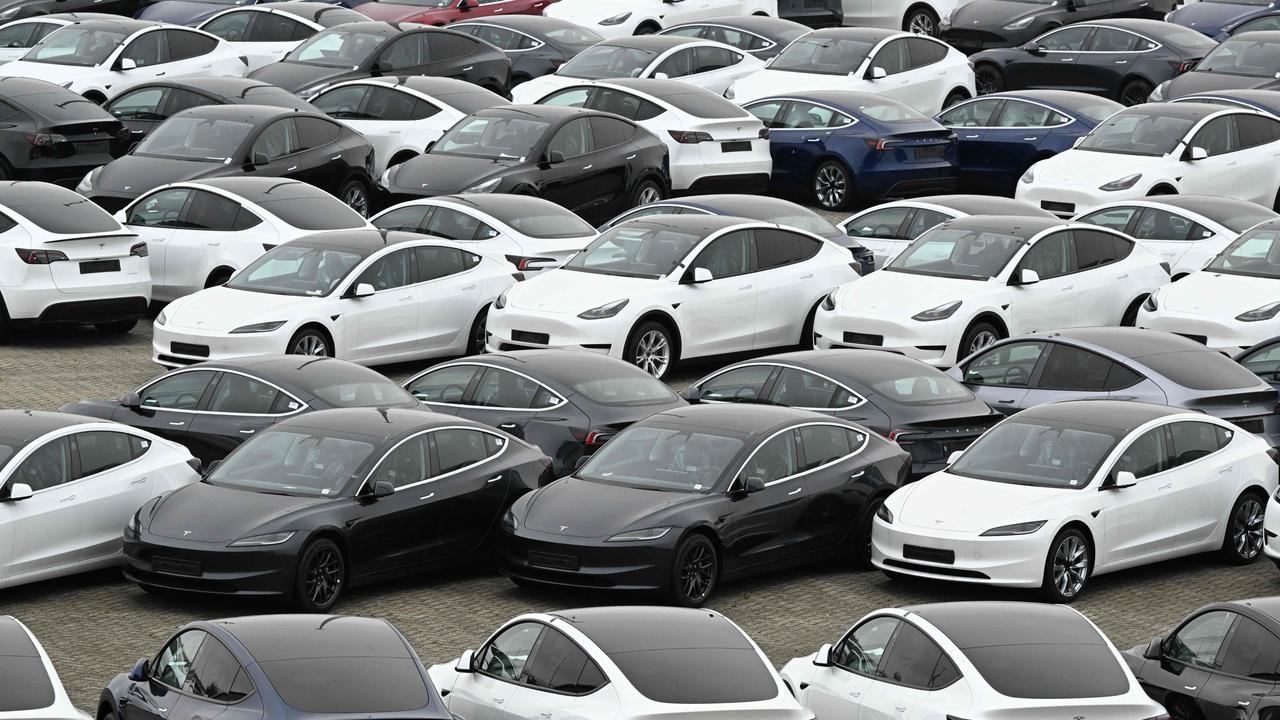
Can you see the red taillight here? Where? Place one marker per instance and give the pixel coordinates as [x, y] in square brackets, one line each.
[40, 257]
[689, 137]
[522, 263]
[596, 438]
[41, 140]
[876, 143]
[139, 250]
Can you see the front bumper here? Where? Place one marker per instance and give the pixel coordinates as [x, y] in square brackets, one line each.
[1068, 200]
[1225, 335]
[937, 346]
[212, 568]
[518, 329]
[1015, 561]
[184, 346]
[556, 559]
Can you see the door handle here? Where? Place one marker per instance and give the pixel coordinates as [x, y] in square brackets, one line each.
[1226, 470]
[633, 157]
[339, 157]
[745, 287]
[68, 498]
[493, 479]
[1004, 402]
[472, 286]
[794, 492]
[1026, 139]
[900, 709]
[469, 68]
[1165, 486]
[178, 424]
[813, 139]
[139, 481]
[1191, 688]
[1242, 703]
[295, 167]
[508, 426]
[588, 167]
[972, 137]
[1067, 60]
[854, 693]
[1121, 62]
[1121, 277]
[160, 74]
[428, 496]
[1069, 287]
[248, 432]
[806, 276]
[499, 701]
[405, 299]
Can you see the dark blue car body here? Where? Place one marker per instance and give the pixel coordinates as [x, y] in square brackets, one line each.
[1268, 20]
[1212, 18]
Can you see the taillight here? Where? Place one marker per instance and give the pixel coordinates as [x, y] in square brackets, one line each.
[139, 250]
[689, 137]
[40, 257]
[522, 263]
[595, 438]
[876, 143]
[42, 140]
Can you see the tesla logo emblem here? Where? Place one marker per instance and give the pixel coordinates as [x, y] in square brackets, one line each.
[425, 184]
[563, 528]
[186, 533]
[937, 522]
[126, 187]
[101, 245]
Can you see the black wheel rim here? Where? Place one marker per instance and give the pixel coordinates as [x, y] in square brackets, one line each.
[697, 573]
[1134, 95]
[356, 199]
[323, 579]
[830, 186]
[1246, 529]
[987, 82]
[478, 337]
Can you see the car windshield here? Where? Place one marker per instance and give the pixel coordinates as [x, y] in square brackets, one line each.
[1243, 56]
[969, 253]
[73, 45]
[822, 56]
[1138, 132]
[644, 249]
[337, 48]
[298, 268]
[573, 35]
[1256, 254]
[607, 61]
[655, 458]
[190, 137]
[283, 462]
[492, 136]
[921, 388]
[1033, 452]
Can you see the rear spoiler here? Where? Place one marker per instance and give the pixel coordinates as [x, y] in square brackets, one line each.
[92, 237]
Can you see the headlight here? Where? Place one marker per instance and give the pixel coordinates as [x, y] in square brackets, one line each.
[616, 19]
[829, 302]
[607, 310]
[1150, 304]
[163, 317]
[262, 327]
[487, 186]
[942, 312]
[501, 301]
[1266, 312]
[276, 538]
[509, 522]
[1157, 95]
[1022, 24]
[884, 513]
[1123, 183]
[384, 180]
[86, 183]
[1025, 528]
[639, 535]
[1029, 176]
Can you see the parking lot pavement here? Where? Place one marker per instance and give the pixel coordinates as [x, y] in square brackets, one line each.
[96, 625]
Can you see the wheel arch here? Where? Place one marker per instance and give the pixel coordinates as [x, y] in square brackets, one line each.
[218, 271]
[665, 319]
[1134, 306]
[918, 6]
[1085, 530]
[402, 155]
[95, 96]
[1162, 187]
[318, 325]
[992, 317]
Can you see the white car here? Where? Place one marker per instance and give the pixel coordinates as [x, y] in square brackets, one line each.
[976, 660]
[616, 18]
[65, 260]
[1062, 492]
[368, 296]
[533, 234]
[655, 291]
[917, 70]
[33, 690]
[889, 228]
[969, 282]
[201, 232]
[266, 33]
[71, 485]
[916, 16]
[621, 663]
[19, 36]
[402, 117]
[1230, 305]
[712, 143]
[702, 63]
[100, 59]
[1162, 149]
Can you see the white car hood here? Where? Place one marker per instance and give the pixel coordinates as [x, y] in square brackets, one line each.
[56, 74]
[532, 91]
[766, 82]
[954, 503]
[1219, 295]
[1093, 169]
[569, 291]
[578, 12]
[220, 309]
[906, 294]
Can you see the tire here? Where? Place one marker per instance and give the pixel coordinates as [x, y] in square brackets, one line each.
[988, 79]
[478, 338]
[954, 97]
[355, 194]
[109, 715]
[832, 186]
[1243, 541]
[6, 170]
[118, 327]
[647, 191]
[218, 277]
[1181, 708]
[1135, 92]
[651, 348]
[694, 569]
[309, 341]
[806, 330]
[978, 336]
[646, 29]
[921, 20]
[321, 573]
[1066, 566]
[862, 535]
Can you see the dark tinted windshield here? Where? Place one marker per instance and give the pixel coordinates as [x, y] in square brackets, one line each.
[635, 249]
[1189, 39]
[24, 684]
[1138, 132]
[492, 136]
[337, 48]
[68, 217]
[1256, 254]
[1201, 370]
[298, 269]
[1044, 671]
[607, 61]
[354, 685]
[76, 46]
[1243, 56]
[724, 675]
[969, 253]
[824, 56]
[1034, 452]
[472, 102]
[283, 462]
[317, 213]
[191, 137]
[573, 35]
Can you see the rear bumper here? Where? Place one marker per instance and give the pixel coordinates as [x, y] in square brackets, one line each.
[747, 183]
[907, 181]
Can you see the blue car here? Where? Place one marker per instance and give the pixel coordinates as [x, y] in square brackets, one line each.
[194, 12]
[1264, 100]
[280, 667]
[1003, 134]
[1212, 17]
[845, 147]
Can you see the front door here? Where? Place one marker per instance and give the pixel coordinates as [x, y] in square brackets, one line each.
[839, 690]
[719, 315]
[396, 531]
[767, 525]
[385, 323]
[167, 406]
[1049, 303]
[45, 527]
[1127, 512]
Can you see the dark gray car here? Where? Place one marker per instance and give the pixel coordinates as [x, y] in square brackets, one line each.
[761, 36]
[535, 44]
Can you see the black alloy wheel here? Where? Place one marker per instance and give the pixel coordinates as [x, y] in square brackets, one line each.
[694, 572]
[321, 574]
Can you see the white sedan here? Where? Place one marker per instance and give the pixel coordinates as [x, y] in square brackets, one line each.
[33, 690]
[956, 659]
[711, 143]
[1230, 305]
[1062, 492]
[655, 291]
[1162, 149]
[621, 663]
[917, 70]
[702, 63]
[617, 18]
[266, 33]
[362, 295]
[969, 282]
[18, 36]
[70, 485]
[201, 232]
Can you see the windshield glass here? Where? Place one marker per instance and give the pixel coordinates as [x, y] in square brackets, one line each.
[190, 137]
[1243, 56]
[923, 388]
[636, 249]
[292, 463]
[607, 61]
[1138, 132]
[824, 56]
[495, 137]
[72, 45]
[1256, 254]
[337, 48]
[298, 269]
[1036, 453]
[656, 458]
[970, 253]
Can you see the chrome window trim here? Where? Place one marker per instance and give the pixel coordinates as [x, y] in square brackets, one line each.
[858, 396]
[769, 44]
[506, 442]
[866, 438]
[1140, 36]
[1033, 128]
[787, 98]
[539, 383]
[301, 405]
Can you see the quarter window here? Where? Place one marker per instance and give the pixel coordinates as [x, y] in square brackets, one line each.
[775, 459]
[505, 656]
[103, 450]
[47, 466]
[799, 389]
[243, 395]
[446, 385]
[560, 665]
[1007, 366]
[744, 384]
[460, 447]
[1198, 642]
[180, 391]
[827, 443]
[407, 464]
[862, 649]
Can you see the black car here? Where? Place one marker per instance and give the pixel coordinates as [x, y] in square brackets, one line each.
[593, 163]
[693, 496]
[332, 499]
[372, 49]
[1217, 664]
[537, 45]
[229, 140]
[213, 407]
[277, 667]
[89, 9]
[758, 35]
[984, 24]
[1121, 59]
[51, 134]
[814, 13]
[1247, 61]
[566, 402]
[927, 413]
[144, 106]
[267, 26]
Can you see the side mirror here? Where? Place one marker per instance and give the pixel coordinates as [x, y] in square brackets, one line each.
[1155, 649]
[953, 457]
[701, 275]
[582, 460]
[362, 290]
[259, 159]
[1028, 277]
[383, 488]
[1197, 153]
[878, 73]
[822, 658]
[208, 469]
[1124, 479]
[140, 671]
[381, 67]
[133, 401]
[466, 662]
[466, 4]
[128, 64]
[1033, 48]
[1071, 5]
[753, 484]
[18, 491]
[692, 394]
[555, 157]
[661, 76]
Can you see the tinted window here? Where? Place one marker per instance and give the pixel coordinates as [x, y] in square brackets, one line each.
[141, 104]
[146, 50]
[461, 447]
[714, 58]
[446, 385]
[1218, 136]
[944, 673]
[388, 272]
[1256, 130]
[1116, 218]
[1044, 671]
[800, 389]
[179, 100]
[1197, 642]
[180, 391]
[1162, 225]
[404, 53]
[24, 683]
[1265, 362]
[1027, 115]
[60, 215]
[924, 220]
[1070, 368]
[912, 658]
[406, 219]
[678, 64]
[217, 675]
[1253, 652]
[1070, 39]
[925, 52]
[893, 58]
[1050, 257]
[1095, 249]
[1145, 456]
[725, 675]
[744, 384]
[499, 388]
[47, 466]
[767, 112]
[1194, 440]
[314, 132]
[17, 36]
[447, 46]
[387, 104]
[862, 649]
[1112, 40]
[827, 443]
[610, 132]
[185, 44]
[805, 116]
[726, 256]
[569, 97]
[230, 27]
[177, 658]
[243, 395]
[775, 248]
[886, 223]
[278, 140]
[1008, 365]
[407, 464]
[572, 140]
[560, 665]
[774, 460]
[277, 27]
[1201, 370]
[207, 211]
[1121, 377]
[436, 262]
[978, 113]
[343, 102]
[451, 224]
[364, 685]
[102, 451]
[506, 655]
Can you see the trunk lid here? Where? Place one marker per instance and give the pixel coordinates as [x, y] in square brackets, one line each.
[93, 261]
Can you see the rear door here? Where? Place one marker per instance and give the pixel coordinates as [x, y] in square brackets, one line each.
[448, 291]
[970, 121]
[1102, 282]
[1072, 373]
[785, 277]
[1013, 140]
[319, 160]
[1258, 141]
[507, 400]
[1107, 58]
[271, 37]
[1002, 375]
[204, 229]
[467, 491]
[562, 682]
[1054, 64]
[914, 681]
[1202, 474]
[168, 405]
[113, 479]
[156, 219]
[239, 407]
[832, 513]
[714, 68]
[1166, 233]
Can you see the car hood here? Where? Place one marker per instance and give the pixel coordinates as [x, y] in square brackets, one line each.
[391, 12]
[56, 74]
[1086, 167]
[1199, 81]
[295, 76]
[953, 503]
[186, 513]
[1209, 17]
[440, 174]
[221, 309]
[1219, 294]
[995, 14]
[599, 10]
[571, 291]
[924, 292]
[766, 82]
[557, 508]
[180, 12]
[136, 174]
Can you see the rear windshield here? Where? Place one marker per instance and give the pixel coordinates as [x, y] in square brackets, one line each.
[541, 220]
[922, 388]
[68, 218]
[624, 391]
[706, 105]
[362, 685]
[473, 102]
[1201, 370]
[63, 107]
[1243, 218]
[315, 213]
[1188, 39]
[724, 675]
[24, 684]
[1045, 671]
[377, 393]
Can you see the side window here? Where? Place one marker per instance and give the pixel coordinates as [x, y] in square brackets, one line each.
[314, 132]
[1161, 225]
[423, 110]
[803, 115]
[560, 665]
[446, 385]
[1120, 377]
[47, 466]
[1264, 363]
[911, 659]
[1256, 130]
[388, 272]
[827, 443]
[505, 656]
[925, 52]
[404, 53]
[1218, 136]
[148, 49]
[862, 649]
[800, 389]
[162, 209]
[1197, 643]
[775, 459]
[245, 220]
[385, 104]
[217, 675]
[692, 31]
[1193, 440]
[678, 64]
[726, 256]
[180, 391]
[452, 224]
[1028, 115]
[17, 35]
[409, 463]
[767, 112]
[776, 248]
[1070, 368]
[1049, 258]
[1112, 40]
[276, 27]
[1271, 22]
[179, 100]
[279, 139]
[744, 384]
[177, 659]
[610, 132]
[405, 219]
[923, 220]
[500, 37]
[572, 140]
[185, 44]
[243, 395]
[460, 447]
[1253, 652]
[141, 104]
[978, 113]
[569, 97]
[1008, 365]
[343, 102]
[1115, 219]
[207, 211]
[1094, 249]
[1068, 39]
[893, 57]
[714, 58]
[499, 388]
[102, 450]
[886, 223]
[1146, 455]
[138, 446]
[447, 46]
[435, 262]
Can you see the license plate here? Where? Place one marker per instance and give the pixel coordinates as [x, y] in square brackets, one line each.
[99, 266]
[736, 146]
[92, 147]
[930, 152]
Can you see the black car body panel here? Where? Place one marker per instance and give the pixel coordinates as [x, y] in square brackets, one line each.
[144, 106]
[758, 35]
[52, 134]
[518, 36]
[983, 24]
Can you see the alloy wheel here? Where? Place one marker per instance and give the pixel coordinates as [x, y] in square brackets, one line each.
[1134, 94]
[323, 579]
[649, 194]
[653, 353]
[922, 24]
[1246, 528]
[1070, 566]
[479, 335]
[986, 82]
[310, 344]
[357, 199]
[830, 186]
[698, 573]
[982, 340]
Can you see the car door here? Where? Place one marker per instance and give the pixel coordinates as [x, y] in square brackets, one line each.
[113, 480]
[1052, 64]
[1002, 375]
[274, 151]
[1071, 373]
[785, 278]
[507, 400]
[1188, 657]
[271, 37]
[319, 160]
[1012, 142]
[1204, 481]
[150, 55]
[168, 405]
[239, 407]
[895, 59]
[1127, 530]
[719, 315]
[217, 686]
[970, 121]
[449, 55]
[926, 76]
[1103, 287]
[714, 68]
[1051, 302]
[444, 389]
[468, 488]
[1260, 150]
[1168, 234]
[45, 528]
[571, 174]
[1246, 672]
[839, 689]
[884, 231]
[560, 681]
[767, 526]
[1107, 58]
[235, 28]
[1219, 173]
[140, 110]
[156, 219]
[204, 229]
[398, 531]
[448, 292]
[915, 679]
[800, 135]
[499, 667]
[833, 504]
[160, 696]
[384, 324]
[188, 53]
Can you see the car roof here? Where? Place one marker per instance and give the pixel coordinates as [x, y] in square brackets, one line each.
[994, 623]
[851, 362]
[1270, 36]
[246, 113]
[864, 34]
[1131, 342]
[263, 189]
[1215, 207]
[630, 629]
[15, 641]
[1066, 98]
[740, 205]
[288, 637]
[382, 424]
[699, 224]
[744, 420]
[984, 205]
[1268, 225]
[1268, 606]
[655, 43]
[438, 87]
[839, 98]
[1113, 415]
[367, 239]
[762, 24]
[657, 87]
[550, 113]
[1268, 98]
[14, 194]
[236, 89]
[1186, 110]
[560, 366]
[22, 426]
[1146, 26]
[533, 24]
[1021, 225]
[125, 25]
[500, 204]
[379, 27]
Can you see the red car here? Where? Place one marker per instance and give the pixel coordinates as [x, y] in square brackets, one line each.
[443, 12]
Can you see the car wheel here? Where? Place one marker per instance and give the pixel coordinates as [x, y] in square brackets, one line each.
[977, 337]
[478, 338]
[652, 349]
[694, 571]
[1243, 541]
[832, 186]
[1275, 204]
[1181, 708]
[321, 573]
[647, 29]
[988, 79]
[109, 715]
[954, 97]
[922, 21]
[648, 191]
[309, 341]
[1135, 92]
[1066, 568]
[118, 327]
[356, 196]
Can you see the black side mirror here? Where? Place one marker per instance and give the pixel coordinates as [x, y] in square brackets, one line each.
[1033, 47]
[259, 159]
[692, 394]
[140, 671]
[1155, 649]
[1071, 5]
[577, 465]
[753, 484]
[132, 401]
[383, 488]
[381, 67]
[554, 157]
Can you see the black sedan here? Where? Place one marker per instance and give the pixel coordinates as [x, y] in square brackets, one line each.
[1248, 61]
[332, 499]
[277, 667]
[535, 44]
[593, 163]
[230, 140]
[1120, 59]
[213, 407]
[759, 35]
[694, 496]
[17, 9]
[372, 49]
[52, 134]
[145, 106]
[566, 402]
[984, 24]
[927, 413]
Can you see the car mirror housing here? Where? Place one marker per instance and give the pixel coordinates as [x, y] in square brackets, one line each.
[1197, 153]
[1028, 277]
[383, 488]
[661, 76]
[18, 491]
[692, 394]
[554, 157]
[362, 290]
[753, 484]
[140, 671]
[466, 662]
[1155, 649]
[133, 401]
[953, 457]
[1033, 47]
[877, 73]
[259, 159]
[127, 64]
[822, 658]
[1123, 479]
[702, 275]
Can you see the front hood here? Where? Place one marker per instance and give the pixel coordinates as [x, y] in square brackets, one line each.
[56, 74]
[1088, 168]
[1209, 17]
[179, 12]
[136, 174]
[766, 82]
[994, 14]
[439, 174]
[221, 309]
[558, 508]
[295, 76]
[570, 291]
[1196, 82]
[391, 12]
[906, 294]
[953, 503]
[189, 513]
[1219, 295]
